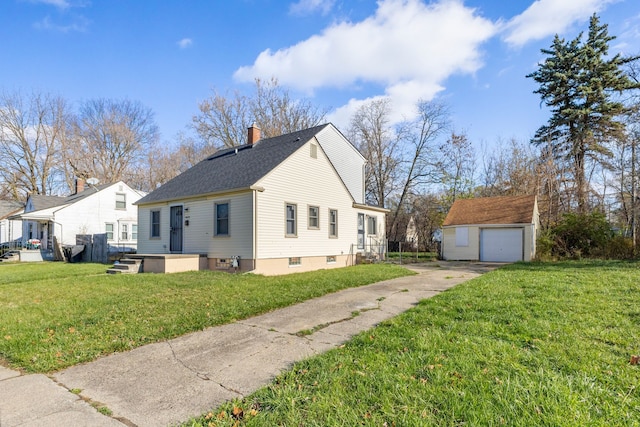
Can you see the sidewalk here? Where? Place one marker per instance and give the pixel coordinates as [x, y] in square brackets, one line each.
[168, 382]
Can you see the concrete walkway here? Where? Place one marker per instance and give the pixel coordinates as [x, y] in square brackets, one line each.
[169, 382]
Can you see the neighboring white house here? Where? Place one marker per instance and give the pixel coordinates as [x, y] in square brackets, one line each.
[498, 229]
[93, 209]
[10, 229]
[286, 204]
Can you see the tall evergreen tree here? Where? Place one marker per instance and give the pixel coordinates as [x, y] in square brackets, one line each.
[578, 81]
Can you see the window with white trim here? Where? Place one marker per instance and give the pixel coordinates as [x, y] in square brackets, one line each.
[124, 231]
[121, 201]
[155, 224]
[291, 229]
[134, 231]
[314, 217]
[462, 236]
[222, 219]
[372, 222]
[333, 223]
[108, 228]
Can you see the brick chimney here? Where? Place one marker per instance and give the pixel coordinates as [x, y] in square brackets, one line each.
[79, 185]
[253, 134]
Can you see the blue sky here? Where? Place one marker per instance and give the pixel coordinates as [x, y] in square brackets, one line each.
[170, 54]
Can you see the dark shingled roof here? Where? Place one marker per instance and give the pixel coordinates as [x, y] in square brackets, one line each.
[40, 201]
[232, 168]
[491, 210]
[8, 207]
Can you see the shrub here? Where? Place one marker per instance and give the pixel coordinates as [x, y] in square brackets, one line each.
[579, 235]
[619, 247]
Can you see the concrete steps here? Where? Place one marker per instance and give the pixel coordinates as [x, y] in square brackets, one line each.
[11, 256]
[126, 266]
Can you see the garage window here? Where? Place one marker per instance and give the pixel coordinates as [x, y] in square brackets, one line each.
[462, 236]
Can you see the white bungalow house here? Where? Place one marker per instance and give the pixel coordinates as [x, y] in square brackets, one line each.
[10, 229]
[93, 209]
[279, 205]
[492, 229]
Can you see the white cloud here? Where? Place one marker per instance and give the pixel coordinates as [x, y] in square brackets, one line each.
[185, 43]
[307, 7]
[61, 4]
[547, 17]
[79, 24]
[408, 47]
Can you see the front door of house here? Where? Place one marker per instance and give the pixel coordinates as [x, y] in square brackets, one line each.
[360, 231]
[175, 235]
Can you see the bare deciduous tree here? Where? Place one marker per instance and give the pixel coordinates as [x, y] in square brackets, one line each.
[164, 163]
[457, 166]
[223, 120]
[32, 131]
[111, 139]
[509, 170]
[379, 144]
[418, 166]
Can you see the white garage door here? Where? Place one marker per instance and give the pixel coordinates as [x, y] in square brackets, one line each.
[501, 244]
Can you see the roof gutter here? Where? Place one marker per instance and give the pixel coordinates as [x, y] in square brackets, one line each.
[371, 208]
[199, 196]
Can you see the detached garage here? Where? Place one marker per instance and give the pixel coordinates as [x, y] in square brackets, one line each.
[491, 229]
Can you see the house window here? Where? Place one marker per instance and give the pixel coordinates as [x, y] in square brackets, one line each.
[314, 217]
[295, 261]
[121, 201]
[333, 223]
[371, 224]
[291, 217]
[124, 232]
[222, 219]
[108, 228]
[462, 236]
[134, 232]
[155, 224]
[331, 259]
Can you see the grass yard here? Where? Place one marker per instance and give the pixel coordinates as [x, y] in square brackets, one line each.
[525, 345]
[54, 315]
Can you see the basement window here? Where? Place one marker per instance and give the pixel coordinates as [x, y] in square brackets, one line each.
[295, 261]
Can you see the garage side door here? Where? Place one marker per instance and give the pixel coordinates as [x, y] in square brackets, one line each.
[501, 244]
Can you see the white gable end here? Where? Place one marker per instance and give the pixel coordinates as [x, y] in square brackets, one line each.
[346, 160]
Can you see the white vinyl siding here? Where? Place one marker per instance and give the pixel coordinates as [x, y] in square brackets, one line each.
[199, 236]
[330, 195]
[89, 215]
[346, 160]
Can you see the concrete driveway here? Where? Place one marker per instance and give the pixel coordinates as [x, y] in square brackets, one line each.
[169, 382]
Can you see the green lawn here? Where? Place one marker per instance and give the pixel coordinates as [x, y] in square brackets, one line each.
[525, 345]
[53, 315]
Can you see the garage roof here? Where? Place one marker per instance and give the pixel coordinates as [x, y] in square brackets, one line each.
[492, 210]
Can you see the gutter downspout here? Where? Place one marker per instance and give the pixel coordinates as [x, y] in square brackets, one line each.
[255, 229]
